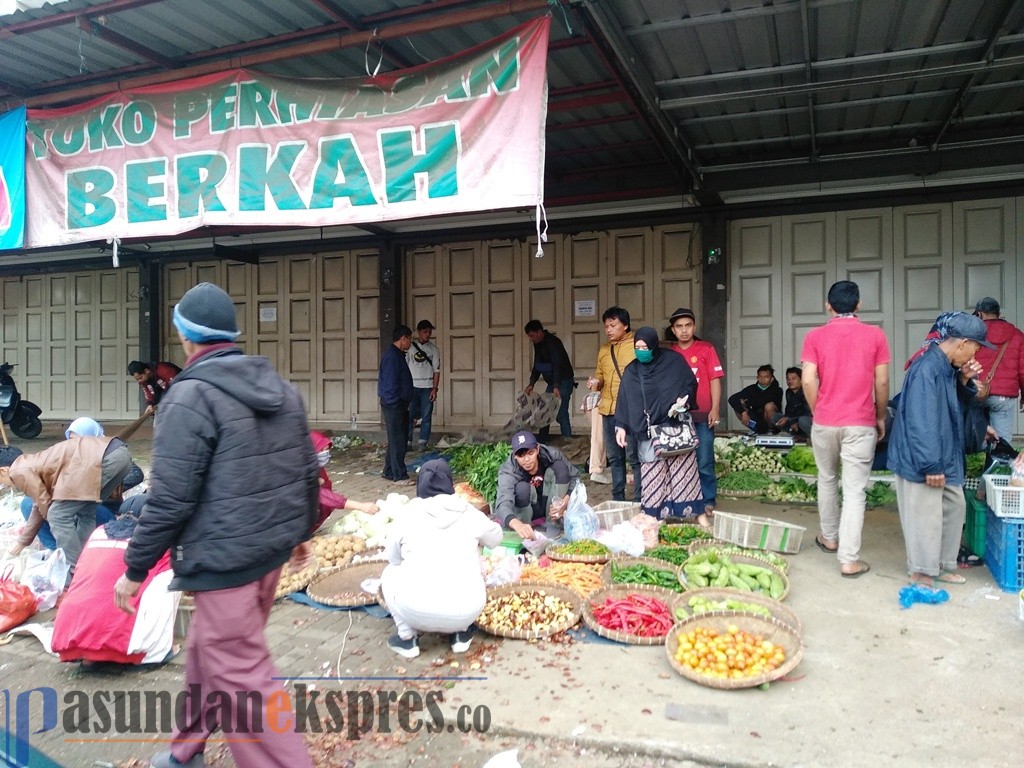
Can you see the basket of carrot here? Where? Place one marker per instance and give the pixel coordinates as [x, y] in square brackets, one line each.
[583, 578]
[631, 613]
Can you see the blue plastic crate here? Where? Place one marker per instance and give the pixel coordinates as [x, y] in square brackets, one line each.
[1004, 551]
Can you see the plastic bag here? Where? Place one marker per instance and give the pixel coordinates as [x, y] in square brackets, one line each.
[45, 574]
[17, 603]
[648, 527]
[501, 570]
[921, 593]
[623, 538]
[1017, 477]
[533, 411]
[580, 519]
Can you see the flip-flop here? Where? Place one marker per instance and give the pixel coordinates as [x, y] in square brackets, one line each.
[823, 547]
[948, 577]
[864, 568]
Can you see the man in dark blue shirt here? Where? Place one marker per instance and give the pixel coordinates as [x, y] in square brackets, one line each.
[395, 390]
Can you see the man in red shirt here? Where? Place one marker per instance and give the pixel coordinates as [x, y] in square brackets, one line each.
[846, 381]
[703, 360]
[154, 379]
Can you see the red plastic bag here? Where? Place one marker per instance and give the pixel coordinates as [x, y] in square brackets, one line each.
[17, 604]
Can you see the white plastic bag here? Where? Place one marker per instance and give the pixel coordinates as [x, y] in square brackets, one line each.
[580, 519]
[45, 574]
[501, 570]
[623, 538]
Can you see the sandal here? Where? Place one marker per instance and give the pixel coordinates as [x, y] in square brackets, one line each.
[824, 547]
[949, 577]
[967, 559]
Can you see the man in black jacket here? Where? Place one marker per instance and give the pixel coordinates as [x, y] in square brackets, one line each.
[551, 361]
[233, 495]
[395, 390]
[755, 405]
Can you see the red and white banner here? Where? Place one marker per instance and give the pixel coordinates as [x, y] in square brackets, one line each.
[242, 148]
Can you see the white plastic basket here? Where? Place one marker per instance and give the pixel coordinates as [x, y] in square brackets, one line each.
[758, 532]
[611, 513]
[1004, 500]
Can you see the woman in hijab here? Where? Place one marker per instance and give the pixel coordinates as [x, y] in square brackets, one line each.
[433, 581]
[651, 386]
[330, 499]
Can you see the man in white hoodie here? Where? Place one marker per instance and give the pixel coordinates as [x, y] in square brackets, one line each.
[433, 582]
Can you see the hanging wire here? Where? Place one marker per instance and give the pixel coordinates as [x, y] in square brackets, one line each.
[366, 55]
[413, 46]
[81, 56]
[565, 15]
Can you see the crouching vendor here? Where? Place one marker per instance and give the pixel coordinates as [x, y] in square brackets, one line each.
[330, 499]
[433, 581]
[67, 482]
[534, 487]
[89, 627]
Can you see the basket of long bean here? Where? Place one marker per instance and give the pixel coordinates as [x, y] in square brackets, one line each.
[642, 570]
[636, 614]
[582, 551]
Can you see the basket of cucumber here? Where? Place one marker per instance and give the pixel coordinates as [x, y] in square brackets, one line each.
[746, 574]
[725, 600]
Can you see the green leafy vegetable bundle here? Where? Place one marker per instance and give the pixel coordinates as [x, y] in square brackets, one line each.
[478, 465]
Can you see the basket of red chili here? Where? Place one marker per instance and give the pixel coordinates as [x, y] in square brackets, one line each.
[631, 613]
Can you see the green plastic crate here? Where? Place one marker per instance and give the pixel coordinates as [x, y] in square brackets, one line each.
[975, 524]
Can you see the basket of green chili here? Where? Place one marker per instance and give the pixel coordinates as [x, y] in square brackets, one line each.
[642, 570]
[582, 551]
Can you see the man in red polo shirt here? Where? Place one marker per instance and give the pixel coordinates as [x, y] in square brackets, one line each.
[703, 360]
[846, 381]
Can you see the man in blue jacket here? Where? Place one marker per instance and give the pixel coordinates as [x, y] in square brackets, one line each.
[395, 390]
[233, 494]
[926, 450]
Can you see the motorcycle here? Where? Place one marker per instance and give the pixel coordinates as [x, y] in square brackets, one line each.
[21, 415]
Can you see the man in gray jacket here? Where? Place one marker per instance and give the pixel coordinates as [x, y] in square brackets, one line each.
[533, 484]
[233, 495]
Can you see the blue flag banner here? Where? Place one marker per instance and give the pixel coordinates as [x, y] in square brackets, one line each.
[12, 179]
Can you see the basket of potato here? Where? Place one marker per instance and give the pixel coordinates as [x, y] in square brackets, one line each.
[295, 578]
[333, 550]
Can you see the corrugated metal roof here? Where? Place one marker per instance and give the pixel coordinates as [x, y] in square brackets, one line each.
[648, 97]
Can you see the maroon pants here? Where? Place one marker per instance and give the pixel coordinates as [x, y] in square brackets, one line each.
[228, 653]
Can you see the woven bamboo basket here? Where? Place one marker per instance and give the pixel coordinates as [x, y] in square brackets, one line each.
[779, 612]
[562, 593]
[618, 591]
[770, 629]
[622, 561]
[341, 586]
[296, 580]
[749, 561]
[552, 552]
[697, 546]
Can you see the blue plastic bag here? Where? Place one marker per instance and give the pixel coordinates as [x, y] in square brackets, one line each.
[922, 593]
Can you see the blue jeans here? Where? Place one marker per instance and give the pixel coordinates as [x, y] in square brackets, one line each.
[565, 388]
[421, 407]
[1002, 413]
[706, 461]
[617, 458]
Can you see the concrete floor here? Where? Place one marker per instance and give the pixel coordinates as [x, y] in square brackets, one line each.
[927, 686]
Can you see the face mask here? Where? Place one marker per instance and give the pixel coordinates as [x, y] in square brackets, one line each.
[644, 355]
[323, 457]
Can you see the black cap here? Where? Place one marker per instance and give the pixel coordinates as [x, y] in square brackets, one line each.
[423, 325]
[682, 312]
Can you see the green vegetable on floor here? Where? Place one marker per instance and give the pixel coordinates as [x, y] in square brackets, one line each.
[744, 480]
[880, 494]
[674, 555]
[479, 465]
[800, 459]
[643, 574]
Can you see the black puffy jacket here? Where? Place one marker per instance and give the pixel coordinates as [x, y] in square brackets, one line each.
[234, 482]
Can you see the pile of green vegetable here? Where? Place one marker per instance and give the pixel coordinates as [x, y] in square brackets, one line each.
[581, 547]
[743, 480]
[706, 569]
[681, 535]
[701, 604]
[734, 549]
[975, 464]
[880, 494]
[644, 574]
[674, 555]
[478, 465]
[800, 459]
[751, 457]
[792, 489]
